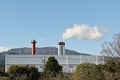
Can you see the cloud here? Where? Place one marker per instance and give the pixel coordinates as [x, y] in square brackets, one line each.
[2, 49]
[83, 32]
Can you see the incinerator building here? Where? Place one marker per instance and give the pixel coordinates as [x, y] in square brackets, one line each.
[69, 62]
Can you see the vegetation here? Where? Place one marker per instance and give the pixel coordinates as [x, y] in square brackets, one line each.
[17, 72]
[53, 71]
[87, 71]
[52, 67]
[3, 75]
[62, 76]
[112, 70]
[112, 48]
[4, 78]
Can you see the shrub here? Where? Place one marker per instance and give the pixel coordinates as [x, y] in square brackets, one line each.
[4, 78]
[87, 71]
[63, 76]
[112, 70]
[25, 72]
[3, 73]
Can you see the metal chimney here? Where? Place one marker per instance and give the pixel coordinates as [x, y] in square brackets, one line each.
[33, 47]
[61, 48]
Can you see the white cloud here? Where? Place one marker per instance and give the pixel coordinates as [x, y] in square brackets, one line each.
[83, 32]
[2, 49]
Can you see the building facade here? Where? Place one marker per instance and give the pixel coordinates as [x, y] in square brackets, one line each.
[69, 62]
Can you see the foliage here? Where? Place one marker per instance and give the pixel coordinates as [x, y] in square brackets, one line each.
[63, 76]
[25, 72]
[87, 71]
[112, 48]
[60, 76]
[52, 67]
[112, 70]
[4, 78]
[3, 73]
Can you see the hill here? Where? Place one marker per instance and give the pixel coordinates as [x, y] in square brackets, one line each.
[42, 51]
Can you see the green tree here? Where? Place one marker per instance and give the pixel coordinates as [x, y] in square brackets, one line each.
[23, 72]
[101, 71]
[52, 67]
[112, 70]
[87, 71]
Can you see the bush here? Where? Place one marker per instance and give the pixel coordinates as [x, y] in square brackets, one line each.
[23, 72]
[63, 76]
[87, 71]
[4, 78]
[3, 73]
[112, 70]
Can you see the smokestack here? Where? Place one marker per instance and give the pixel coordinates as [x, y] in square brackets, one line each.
[61, 48]
[33, 47]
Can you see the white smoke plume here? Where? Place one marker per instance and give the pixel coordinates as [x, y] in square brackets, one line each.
[83, 32]
[2, 49]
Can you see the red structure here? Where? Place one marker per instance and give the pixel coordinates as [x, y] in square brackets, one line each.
[33, 47]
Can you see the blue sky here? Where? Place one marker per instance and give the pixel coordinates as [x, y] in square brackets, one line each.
[47, 20]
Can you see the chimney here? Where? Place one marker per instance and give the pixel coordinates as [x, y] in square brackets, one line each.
[33, 47]
[61, 48]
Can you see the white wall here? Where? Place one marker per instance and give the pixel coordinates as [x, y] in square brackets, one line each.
[69, 62]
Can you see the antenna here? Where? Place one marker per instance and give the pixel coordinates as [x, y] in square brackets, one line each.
[48, 48]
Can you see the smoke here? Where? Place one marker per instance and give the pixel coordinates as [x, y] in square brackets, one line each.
[2, 49]
[83, 32]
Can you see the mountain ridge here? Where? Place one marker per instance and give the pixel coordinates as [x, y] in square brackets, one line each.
[42, 51]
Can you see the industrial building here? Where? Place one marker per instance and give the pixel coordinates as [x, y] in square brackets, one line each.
[69, 62]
